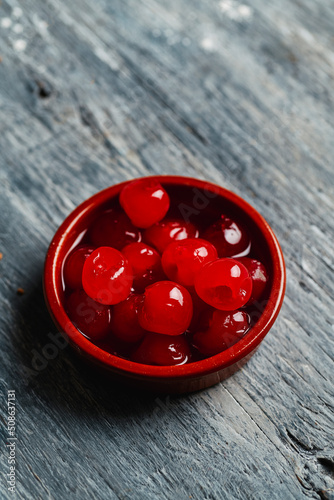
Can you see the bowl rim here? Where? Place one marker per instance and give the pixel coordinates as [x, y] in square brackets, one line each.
[53, 265]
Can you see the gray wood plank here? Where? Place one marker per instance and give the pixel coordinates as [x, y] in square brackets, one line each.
[95, 93]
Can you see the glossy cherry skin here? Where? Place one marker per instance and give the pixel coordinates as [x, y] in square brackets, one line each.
[229, 237]
[167, 308]
[224, 284]
[90, 317]
[161, 234]
[145, 201]
[113, 229]
[182, 260]
[223, 329]
[107, 276]
[74, 265]
[146, 265]
[162, 350]
[124, 320]
[259, 276]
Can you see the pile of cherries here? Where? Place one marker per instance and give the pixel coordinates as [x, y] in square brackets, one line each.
[156, 289]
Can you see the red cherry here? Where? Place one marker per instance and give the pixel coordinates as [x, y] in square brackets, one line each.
[107, 276]
[74, 265]
[259, 276]
[229, 237]
[145, 201]
[224, 284]
[183, 259]
[124, 321]
[223, 330]
[167, 308]
[145, 263]
[113, 229]
[90, 317]
[161, 234]
[162, 350]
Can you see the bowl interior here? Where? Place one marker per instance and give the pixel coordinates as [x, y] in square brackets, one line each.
[198, 202]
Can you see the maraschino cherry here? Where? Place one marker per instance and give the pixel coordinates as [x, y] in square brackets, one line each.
[113, 229]
[145, 201]
[124, 319]
[107, 276]
[161, 234]
[162, 350]
[224, 284]
[145, 262]
[224, 329]
[259, 276]
[182, 260]
[229, 237]
[74, 265]
[90, 317]
[167, 308]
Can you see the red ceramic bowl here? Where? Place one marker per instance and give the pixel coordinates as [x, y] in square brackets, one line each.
[196, 198]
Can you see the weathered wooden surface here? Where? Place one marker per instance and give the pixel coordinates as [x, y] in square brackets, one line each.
[92, 93]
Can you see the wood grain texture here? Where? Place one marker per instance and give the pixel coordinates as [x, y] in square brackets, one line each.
[93, 93]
